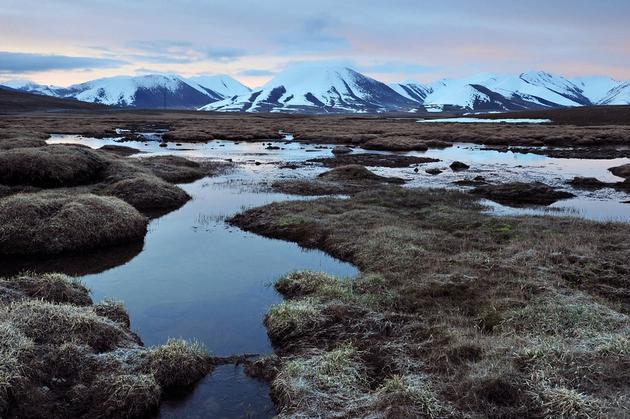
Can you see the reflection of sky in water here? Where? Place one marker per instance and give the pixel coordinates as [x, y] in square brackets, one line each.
[495, 166]
[198, 278]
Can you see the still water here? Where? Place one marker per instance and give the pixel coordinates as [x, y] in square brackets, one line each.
[198, 278]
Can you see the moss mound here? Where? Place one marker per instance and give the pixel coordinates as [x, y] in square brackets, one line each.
[355, 172]
[519, 193]
[173, 169]
[54, 288]
[53, 223]
[50, 166]
[147, 193]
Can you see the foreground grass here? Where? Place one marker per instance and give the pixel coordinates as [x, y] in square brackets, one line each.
[455, 313]
[62, 356]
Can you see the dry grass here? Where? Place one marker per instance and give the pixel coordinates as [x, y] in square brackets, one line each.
[340, 180]
[178, 363]
[89, 361]
[53, 223]
[289, 319]
[483, 316]
[113, 310]
[325, 382]
[50, 287]
[50, 166]
[147, 193]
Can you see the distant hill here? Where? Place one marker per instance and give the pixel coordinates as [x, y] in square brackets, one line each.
[152, 91]
[15, 101]
[322, 87]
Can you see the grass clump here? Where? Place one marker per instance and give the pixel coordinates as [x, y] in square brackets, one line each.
[178, 363]
[125, 395]
[50, 287]
[113, 310]
[49, 323]
[332, 379]
[14, 346]
[565, 403]
[53, 223]
[50, 166]
[61, 359]
[410, 396]
[293, 318]
[147, 193]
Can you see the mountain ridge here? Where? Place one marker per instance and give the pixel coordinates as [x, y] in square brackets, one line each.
[326, 88]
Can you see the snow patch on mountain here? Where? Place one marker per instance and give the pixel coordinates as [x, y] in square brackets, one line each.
[318, 87]
[595, 88]
[222, 84]
[620, 95]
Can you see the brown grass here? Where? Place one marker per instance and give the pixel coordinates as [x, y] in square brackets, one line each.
[340, 180]
[455, 313]
[51, 223]
[147, 193]
[50, 166]
[60, 359]
[374, 132]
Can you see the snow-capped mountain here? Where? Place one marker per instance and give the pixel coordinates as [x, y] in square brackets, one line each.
[619, 95]
[318, 88]
[32, 87]
[222, 84]
[326, 88]
[595, 88]
[148, 91]
[412, 90]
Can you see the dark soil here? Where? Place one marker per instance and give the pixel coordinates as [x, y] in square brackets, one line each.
[367, 159]
[518, 193]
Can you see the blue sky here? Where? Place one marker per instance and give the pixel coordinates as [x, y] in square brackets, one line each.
[66, 41]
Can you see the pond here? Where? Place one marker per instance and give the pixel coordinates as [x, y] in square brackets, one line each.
[198, 278]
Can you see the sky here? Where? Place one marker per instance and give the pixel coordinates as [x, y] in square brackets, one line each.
[62, 42]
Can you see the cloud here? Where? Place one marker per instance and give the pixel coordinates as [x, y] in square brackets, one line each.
[398, 67]
[255, 72]
[180, 52]
[18, 62]
[314, 34]
[226, 54]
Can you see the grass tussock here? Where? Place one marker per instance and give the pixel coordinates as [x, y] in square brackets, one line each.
[113, 310]
[455, 312]
[52, 223]
[293, 318]
[50, 287]
[178, 363]
[125, 395]
[89, 361]
[147, 193]
[50, 166]
[327, 380]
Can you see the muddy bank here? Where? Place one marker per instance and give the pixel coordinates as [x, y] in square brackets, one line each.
[443, 290]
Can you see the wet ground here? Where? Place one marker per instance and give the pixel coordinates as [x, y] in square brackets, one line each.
[198, 278]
